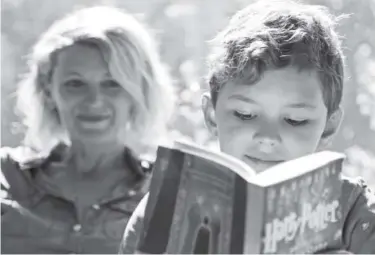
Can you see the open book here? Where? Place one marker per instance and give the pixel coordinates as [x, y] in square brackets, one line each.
[202, 201]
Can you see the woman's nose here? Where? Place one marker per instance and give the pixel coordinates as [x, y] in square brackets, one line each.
[95, 97]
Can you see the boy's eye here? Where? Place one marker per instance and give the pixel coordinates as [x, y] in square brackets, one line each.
[296, 122]
[74, 84]
[111, 84]
[244, 116]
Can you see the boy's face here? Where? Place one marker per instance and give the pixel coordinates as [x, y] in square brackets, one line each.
[281, 117]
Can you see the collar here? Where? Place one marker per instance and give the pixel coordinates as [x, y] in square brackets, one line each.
[31, 159]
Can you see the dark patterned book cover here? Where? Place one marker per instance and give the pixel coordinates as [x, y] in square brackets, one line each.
[205, 202]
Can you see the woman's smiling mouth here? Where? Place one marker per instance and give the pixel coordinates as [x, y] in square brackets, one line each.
[94, 121]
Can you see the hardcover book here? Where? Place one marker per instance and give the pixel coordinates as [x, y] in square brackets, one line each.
[202, 201]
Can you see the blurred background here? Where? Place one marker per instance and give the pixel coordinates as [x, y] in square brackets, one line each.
[182, 28]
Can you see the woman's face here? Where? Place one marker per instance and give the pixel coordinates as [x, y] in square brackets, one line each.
[92, 106]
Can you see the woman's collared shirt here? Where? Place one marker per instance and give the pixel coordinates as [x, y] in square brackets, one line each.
[37, 218]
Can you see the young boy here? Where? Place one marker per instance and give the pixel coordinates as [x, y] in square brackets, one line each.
[276, 84]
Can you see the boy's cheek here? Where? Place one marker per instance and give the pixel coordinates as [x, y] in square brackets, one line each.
[299, 146]
[234, 141]
[299, 142]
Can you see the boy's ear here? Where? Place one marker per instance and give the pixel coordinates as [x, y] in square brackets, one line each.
[331, 128]
[209, 113]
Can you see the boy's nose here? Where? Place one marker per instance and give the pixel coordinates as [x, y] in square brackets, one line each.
[266, 144]
[267, 139]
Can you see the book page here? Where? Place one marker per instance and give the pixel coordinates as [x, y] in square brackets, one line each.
[236, 165]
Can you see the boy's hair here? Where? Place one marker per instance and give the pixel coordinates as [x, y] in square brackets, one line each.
[275, 34]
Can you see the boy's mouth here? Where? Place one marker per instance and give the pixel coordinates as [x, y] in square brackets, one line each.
[260, 165]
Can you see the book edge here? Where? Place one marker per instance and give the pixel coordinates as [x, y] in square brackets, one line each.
[233, 164]
[291, 170]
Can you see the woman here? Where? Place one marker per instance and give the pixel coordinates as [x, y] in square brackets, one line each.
[96, 97]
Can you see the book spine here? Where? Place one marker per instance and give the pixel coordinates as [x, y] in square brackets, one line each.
[162, 201]
[254, 220]
[238, 216]
[158, 172]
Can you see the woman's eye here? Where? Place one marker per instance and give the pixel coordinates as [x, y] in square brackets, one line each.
[74, 84]
[296, 122]
[111, 84]
[244, 116]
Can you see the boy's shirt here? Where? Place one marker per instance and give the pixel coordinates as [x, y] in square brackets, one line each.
[358, 235]
[358, 203]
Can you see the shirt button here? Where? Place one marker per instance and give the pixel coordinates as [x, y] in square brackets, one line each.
[96, 206]
[365, 226]
[131, 192]
[145, 164]
[77, 227]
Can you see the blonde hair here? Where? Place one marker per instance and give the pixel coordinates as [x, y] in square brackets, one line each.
[132, 60]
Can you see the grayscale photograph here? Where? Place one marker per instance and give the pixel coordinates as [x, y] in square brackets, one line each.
[187, 127]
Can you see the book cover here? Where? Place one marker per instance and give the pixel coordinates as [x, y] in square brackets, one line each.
[207, 202]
